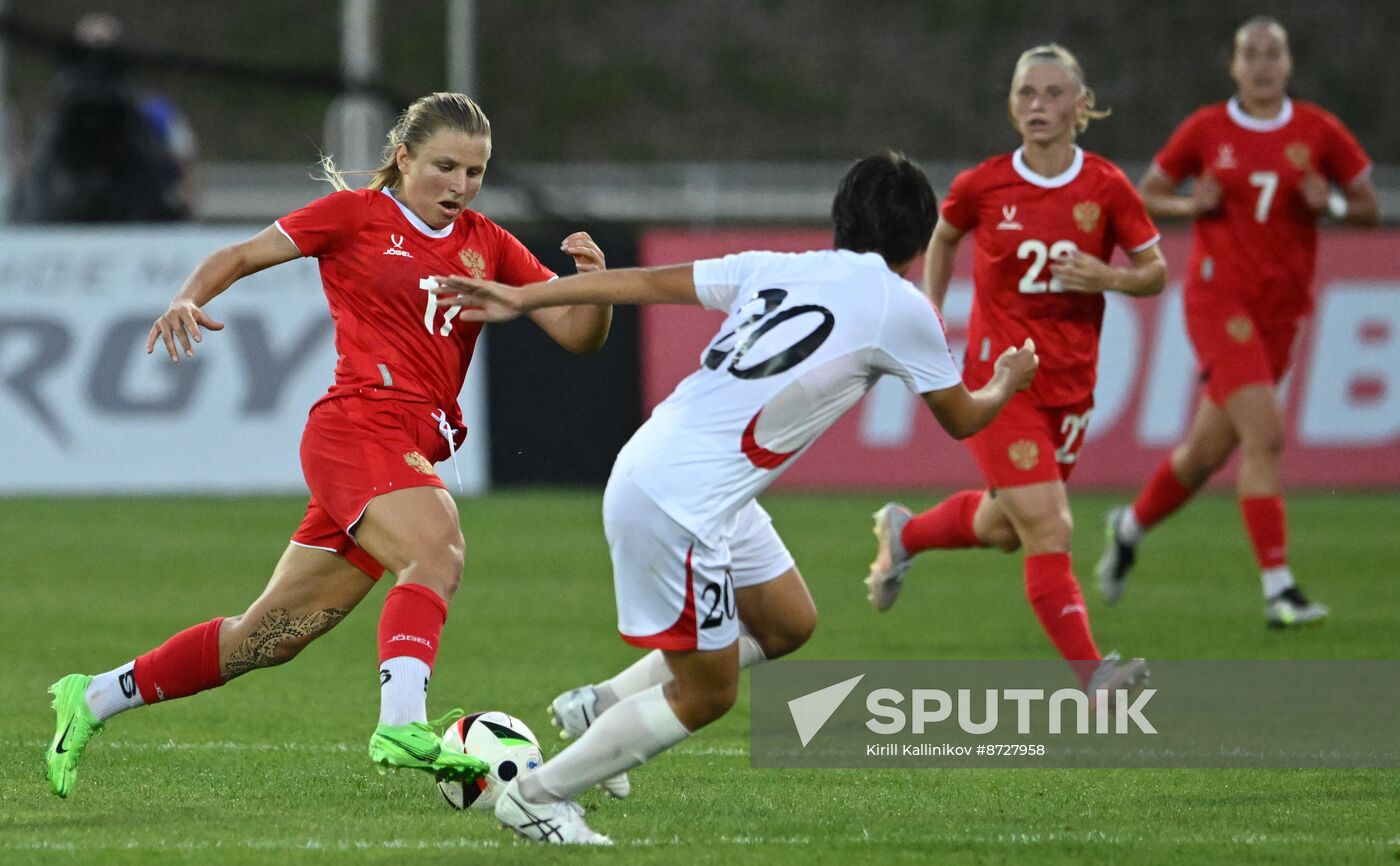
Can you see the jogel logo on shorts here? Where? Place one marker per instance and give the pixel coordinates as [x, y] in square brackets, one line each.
[419, 462]
[1240, 329]
[1024, 454]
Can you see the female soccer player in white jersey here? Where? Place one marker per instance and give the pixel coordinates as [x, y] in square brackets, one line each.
[370, 443]
[1045, 219]
[701, 577]
[1265, 165]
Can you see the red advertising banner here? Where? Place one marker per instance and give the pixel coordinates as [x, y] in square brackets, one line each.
[1342, 399]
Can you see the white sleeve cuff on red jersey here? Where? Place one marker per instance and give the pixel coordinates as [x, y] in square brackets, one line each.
[1156, 239]
[278, 223]
[1361, 176]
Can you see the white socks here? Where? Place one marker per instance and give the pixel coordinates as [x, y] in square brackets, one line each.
[1129, 530]
[114, 692]
[647, 671]
[1275, 580]
[651, 670]
[403, 690]
[750, 653]
[632, 731]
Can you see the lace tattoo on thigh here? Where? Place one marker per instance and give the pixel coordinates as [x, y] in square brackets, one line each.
[259, 649]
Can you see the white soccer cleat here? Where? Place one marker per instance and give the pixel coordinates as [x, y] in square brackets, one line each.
[1116, 560]
[572, 713]
[1114, 674]
[891, 563]
[559, 822]
[1291, 609]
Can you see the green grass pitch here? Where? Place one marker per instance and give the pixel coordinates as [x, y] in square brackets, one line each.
[271, 769]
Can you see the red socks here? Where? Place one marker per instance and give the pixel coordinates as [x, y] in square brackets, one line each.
[946, 526]
[411, 623]
[1162, 496]
[186, 664]
[1054, 595]
[1264, 521]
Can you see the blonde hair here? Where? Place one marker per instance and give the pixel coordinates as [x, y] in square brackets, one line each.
[1053, 52]
[1261, 22]
[419, 121]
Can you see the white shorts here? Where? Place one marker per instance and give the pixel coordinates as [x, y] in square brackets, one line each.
[674, 591]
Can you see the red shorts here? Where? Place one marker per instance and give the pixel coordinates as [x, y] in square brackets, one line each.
[1030, 444]
[1235, 348]
[354, 449]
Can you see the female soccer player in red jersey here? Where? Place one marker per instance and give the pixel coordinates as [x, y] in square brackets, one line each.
[370, 443]
[1045, 220]
[1264, 166]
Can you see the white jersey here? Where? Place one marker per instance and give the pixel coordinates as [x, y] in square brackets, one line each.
[808, 334]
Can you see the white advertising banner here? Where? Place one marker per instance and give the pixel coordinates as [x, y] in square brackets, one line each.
[83, 409]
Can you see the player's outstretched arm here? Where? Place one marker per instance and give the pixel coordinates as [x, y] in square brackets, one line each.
[182, 321]
[485, 301]
[963, 413]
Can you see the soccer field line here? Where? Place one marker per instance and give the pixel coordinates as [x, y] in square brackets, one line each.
[692, 749]
[1093, 837]
[232, 746]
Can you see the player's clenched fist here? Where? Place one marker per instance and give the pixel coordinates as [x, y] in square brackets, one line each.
[1018, 365]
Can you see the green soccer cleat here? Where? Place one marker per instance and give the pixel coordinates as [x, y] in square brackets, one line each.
[75, 726]
[418, 746]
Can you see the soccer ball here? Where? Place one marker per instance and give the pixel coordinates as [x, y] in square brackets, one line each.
[501, 740]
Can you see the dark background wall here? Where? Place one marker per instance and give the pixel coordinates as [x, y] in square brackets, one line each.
[634, 80]
[556, 417]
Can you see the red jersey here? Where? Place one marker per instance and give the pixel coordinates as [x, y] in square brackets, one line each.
[1260, 245]
[376, 260]
[1021, 223]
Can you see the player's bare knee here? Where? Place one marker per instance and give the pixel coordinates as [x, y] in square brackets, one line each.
[1267, 444]
[1003, 538]
[790, 636]
[451, 572]
[802, 631]
[697, 704]
[438, 566]
[712, 703]
[1049, 536]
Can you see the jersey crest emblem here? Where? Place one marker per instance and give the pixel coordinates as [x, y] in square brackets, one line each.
[1240, 328]
[418, 462]
[1226, 157]
[1024, 454]
[1299, 154]
[474, 263]
[1008, 219]
[1086, 215]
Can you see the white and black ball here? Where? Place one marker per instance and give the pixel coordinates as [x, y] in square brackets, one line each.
[499, 739]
